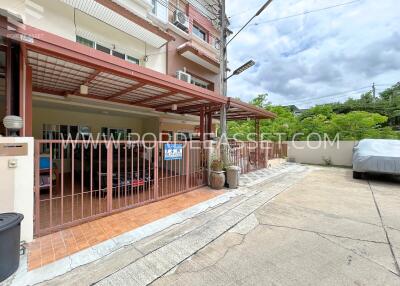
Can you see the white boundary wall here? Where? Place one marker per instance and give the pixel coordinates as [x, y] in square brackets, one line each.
[16, 185]
[314, 152]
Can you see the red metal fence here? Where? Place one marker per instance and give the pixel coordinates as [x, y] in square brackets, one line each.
[79, 181]
[251, 156]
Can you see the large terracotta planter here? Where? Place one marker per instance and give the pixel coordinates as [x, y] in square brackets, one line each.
[217, 180]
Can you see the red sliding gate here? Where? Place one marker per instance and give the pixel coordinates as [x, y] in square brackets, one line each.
[80, 180]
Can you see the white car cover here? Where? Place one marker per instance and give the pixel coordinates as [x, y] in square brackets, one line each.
[377, 156]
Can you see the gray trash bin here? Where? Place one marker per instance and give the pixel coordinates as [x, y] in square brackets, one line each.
[10, 225]
[232, 176]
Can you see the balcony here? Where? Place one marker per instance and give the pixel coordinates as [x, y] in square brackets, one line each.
[122, 16]
[195, 53]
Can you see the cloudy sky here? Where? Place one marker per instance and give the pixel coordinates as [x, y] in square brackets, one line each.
[319, 57]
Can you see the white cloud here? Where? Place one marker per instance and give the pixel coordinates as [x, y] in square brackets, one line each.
[304, 59]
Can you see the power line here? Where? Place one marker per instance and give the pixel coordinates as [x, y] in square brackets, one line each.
[303, 13]
[335, 96]
[251, 19]
[172, 7]
[340, 94]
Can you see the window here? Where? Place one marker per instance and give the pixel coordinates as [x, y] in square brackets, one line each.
[199, 33]
[118, 55]
[103, 49]
[160, 9]
[115, 133]
[199, 82]
[106, 50]
[132, 59]
[183, 136]
[62, 132]
[84, 41]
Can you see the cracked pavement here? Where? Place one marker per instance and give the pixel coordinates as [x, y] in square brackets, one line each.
[307, 225]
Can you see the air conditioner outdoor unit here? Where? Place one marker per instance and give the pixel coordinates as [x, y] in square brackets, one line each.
[181, 20]
[184, 76]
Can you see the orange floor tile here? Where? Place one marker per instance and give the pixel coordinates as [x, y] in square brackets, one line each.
[49, 248]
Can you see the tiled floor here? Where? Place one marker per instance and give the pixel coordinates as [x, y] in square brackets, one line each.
[82, 203]
[47, 249]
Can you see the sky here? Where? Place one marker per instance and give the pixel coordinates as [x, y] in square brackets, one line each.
[320, 57]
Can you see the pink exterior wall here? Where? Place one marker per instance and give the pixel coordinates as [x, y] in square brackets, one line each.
[197, 18]
[177, 62]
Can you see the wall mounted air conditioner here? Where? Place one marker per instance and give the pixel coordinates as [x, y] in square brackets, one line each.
[181, 75]
[181, 20]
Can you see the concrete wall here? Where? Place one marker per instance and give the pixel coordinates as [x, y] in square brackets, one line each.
[309, 152]
[16, 185]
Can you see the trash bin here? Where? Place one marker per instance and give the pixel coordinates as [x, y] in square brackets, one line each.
[232, 176]
[10, 228]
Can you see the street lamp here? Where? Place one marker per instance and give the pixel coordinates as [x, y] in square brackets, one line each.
[224, 59]
[241, 69]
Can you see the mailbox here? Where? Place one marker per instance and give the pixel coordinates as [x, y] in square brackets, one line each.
[13, 149]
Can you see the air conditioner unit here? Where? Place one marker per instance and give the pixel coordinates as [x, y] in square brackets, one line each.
[181, 20]
[181, 75]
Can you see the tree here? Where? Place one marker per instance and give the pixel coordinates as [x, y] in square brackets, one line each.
[358, 125]
[354, 119]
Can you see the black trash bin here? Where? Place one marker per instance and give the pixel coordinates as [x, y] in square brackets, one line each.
[10, 228]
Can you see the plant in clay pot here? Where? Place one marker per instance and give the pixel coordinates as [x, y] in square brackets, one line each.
[217, 176]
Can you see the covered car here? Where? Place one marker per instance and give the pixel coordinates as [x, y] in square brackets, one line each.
[376, 156]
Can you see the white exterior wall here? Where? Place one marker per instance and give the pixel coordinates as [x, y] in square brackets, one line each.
[58, 18]
[16, 187]
[310, 152]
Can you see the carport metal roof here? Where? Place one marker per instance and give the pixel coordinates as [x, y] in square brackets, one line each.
[60, 67]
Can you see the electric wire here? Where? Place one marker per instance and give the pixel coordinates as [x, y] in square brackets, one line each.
[302, 14]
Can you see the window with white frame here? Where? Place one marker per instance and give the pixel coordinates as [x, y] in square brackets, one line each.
[104, 49]
[199, 82]
[160, 9]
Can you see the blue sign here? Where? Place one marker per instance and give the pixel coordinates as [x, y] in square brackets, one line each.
[173, 152]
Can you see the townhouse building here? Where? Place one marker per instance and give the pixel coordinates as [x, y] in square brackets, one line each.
[84, 68]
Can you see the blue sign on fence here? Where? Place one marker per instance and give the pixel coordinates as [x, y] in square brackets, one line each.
[173, 152]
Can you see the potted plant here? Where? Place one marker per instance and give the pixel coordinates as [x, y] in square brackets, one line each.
[217, 176]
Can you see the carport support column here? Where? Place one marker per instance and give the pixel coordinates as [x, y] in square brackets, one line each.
[209, 124]
[202, 123]
[257, 127]
[25, 94]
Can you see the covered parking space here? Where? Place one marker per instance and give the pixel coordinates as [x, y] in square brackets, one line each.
[77, 180]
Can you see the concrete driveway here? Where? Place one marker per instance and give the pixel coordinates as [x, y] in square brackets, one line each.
[304, 226]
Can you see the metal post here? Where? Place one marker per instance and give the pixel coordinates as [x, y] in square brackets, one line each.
[156, 195]
[37, 187]
[209, 125]
[202, 123]
[257, 127]
[187, 155]
[109, 175]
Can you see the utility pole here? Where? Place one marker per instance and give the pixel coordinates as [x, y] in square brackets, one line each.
[373, 91]
[223, 72]
[223, 67]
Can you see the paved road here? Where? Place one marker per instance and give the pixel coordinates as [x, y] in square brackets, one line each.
[304, 226]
